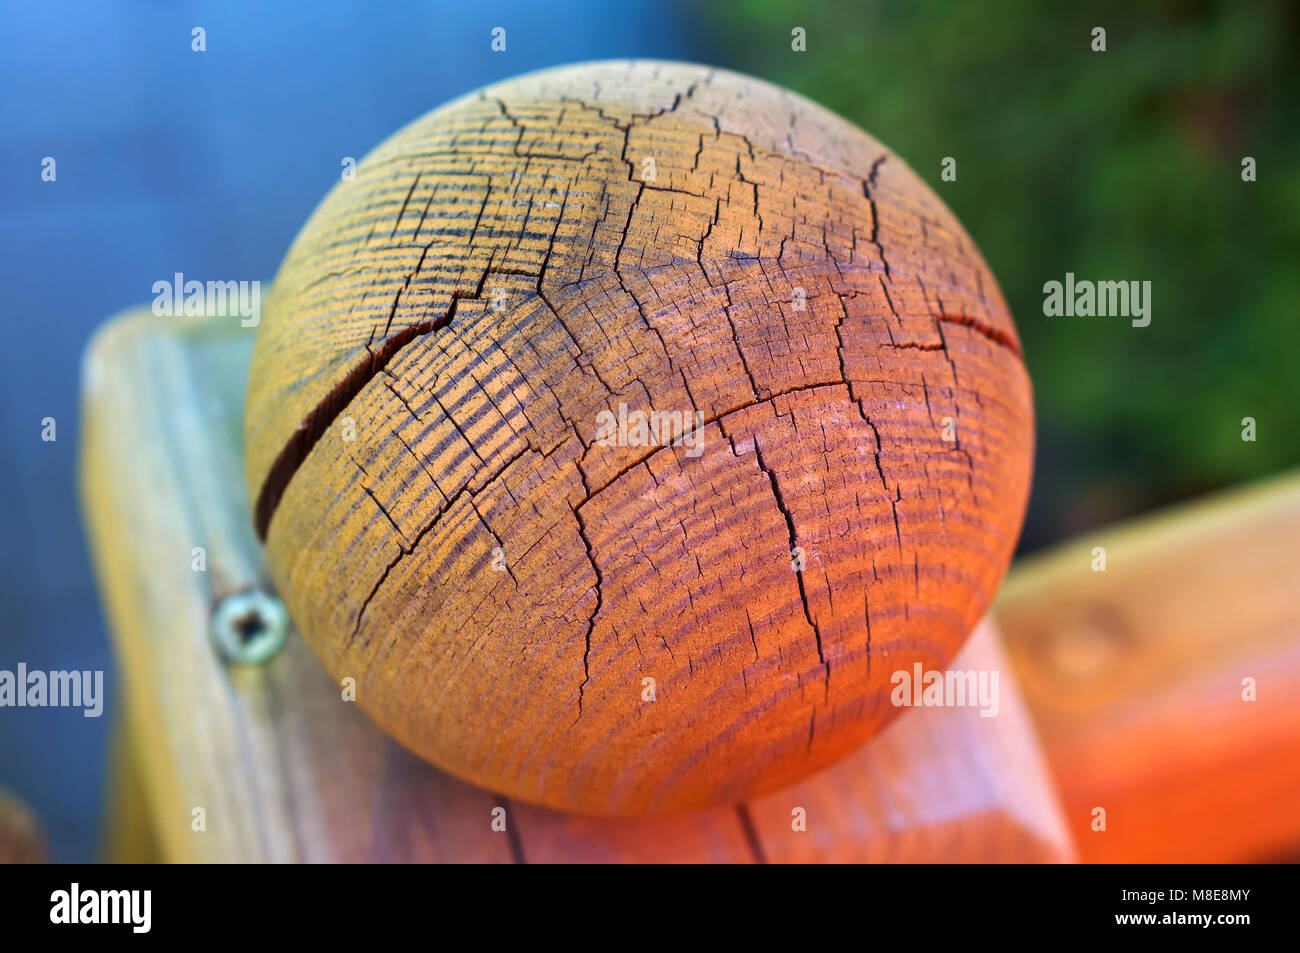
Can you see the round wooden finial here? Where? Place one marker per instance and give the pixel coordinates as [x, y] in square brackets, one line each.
[622, 428]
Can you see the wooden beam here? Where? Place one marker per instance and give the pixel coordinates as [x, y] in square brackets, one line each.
[1137, 678]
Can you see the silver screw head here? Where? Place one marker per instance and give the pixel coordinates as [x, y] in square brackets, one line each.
[249, 627]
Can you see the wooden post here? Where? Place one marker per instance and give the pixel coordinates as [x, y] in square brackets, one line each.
[270, 763]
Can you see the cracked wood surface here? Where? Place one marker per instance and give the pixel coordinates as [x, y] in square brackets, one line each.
[287, 770]
[474, 426]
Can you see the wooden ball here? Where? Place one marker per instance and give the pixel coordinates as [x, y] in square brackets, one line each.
[544, 589]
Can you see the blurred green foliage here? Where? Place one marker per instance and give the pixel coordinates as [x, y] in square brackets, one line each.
[1118, 165]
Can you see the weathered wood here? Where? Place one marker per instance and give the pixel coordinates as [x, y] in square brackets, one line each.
[288, 770]
[939, 785]
[1135, 678]
[426, 401]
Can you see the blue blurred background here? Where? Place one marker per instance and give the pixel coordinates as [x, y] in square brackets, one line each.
[1115, 165]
